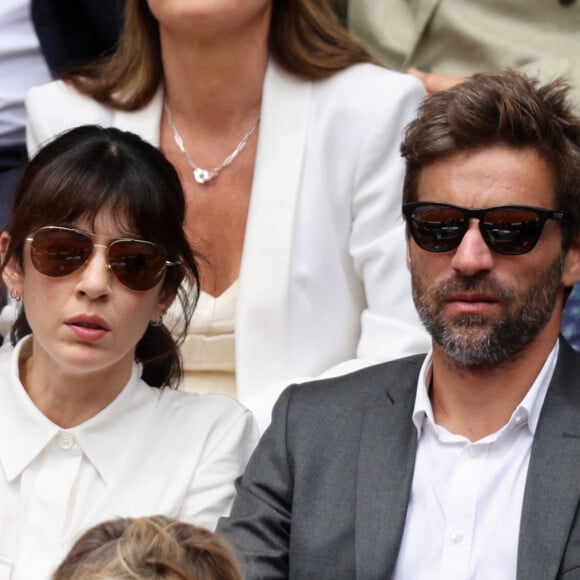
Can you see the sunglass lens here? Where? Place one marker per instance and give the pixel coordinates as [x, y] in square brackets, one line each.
[58, 252]
[438, 228]
[139, 265]
[512, 230]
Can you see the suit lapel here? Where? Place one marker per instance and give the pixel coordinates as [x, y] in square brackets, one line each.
[385, 473]
[267, 252]
[553, 482]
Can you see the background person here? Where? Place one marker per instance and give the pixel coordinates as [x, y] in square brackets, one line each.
[452, 39]
[86, 429]
[462, 464]
[155, 548]
[286, 140]
[40, 38]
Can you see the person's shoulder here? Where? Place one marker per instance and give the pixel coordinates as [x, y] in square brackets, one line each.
[367, 97]
[372, 80]
[56, 107]
[59, 92]
[208, 409]
[361, 388]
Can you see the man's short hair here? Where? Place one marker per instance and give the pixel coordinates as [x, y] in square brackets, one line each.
[507, 108]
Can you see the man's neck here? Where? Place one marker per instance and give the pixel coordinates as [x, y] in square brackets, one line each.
[477, 402]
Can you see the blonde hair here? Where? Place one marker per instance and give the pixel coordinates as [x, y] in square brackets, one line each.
[305, 38]
[151, 548]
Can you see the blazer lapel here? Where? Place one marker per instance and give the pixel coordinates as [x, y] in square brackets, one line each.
[265, 268]
[386, 463]
[553, 482]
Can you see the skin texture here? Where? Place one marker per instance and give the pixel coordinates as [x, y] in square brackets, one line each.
[214, 56]
[435, 82]
[75, 371]
[469, 293]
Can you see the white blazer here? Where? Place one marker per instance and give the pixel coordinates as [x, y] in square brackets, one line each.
[323, 286]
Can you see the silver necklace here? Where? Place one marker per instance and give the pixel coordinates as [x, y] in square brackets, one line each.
[200, 174]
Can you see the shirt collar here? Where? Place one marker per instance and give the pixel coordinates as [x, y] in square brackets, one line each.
[25, 431]
[527, 411]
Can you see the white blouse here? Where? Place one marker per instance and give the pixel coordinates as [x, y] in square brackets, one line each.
[150, 451]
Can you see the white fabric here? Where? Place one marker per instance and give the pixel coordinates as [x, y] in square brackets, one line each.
[463, 518]
[21, 67]
[323, 285]
[150, 451]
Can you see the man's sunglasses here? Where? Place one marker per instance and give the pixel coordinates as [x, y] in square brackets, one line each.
[58, 251]
[510, 229]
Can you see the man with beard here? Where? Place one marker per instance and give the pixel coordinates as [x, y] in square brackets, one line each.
[464, 464]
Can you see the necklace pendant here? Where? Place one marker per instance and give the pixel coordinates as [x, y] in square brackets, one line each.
[203, 175]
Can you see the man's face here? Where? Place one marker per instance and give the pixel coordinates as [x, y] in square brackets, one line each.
[479, 306]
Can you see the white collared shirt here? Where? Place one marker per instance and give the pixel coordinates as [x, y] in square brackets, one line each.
[463, 518]
[150, 451]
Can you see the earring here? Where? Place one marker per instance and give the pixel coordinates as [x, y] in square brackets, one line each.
[158, 322]
[15, 296]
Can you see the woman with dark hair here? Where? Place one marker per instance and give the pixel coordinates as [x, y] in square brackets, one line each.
[151, 548]
[95, 253]
[286, 139]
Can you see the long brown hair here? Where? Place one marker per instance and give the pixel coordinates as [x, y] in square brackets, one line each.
[305, 38]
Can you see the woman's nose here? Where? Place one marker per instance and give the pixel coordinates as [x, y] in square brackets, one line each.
[96, 276]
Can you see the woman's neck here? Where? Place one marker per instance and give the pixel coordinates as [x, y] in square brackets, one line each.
[67, 398]
[216, 85]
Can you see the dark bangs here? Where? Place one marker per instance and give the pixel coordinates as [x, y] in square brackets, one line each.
[88, 170]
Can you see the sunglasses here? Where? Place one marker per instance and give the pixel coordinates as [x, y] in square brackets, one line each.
[58, 251]
[510, 229]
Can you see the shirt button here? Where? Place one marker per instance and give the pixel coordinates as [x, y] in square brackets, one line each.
[66, 440]
[474, 452]
[456, 536]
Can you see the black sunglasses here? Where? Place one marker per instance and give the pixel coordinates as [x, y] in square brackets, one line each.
[58, 251]
[510, 229]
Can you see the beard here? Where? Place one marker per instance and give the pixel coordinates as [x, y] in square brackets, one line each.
[475, 341]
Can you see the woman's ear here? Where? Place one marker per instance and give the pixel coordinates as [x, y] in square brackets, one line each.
[12, 272]
[166, 297]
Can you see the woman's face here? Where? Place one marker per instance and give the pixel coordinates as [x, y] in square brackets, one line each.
[87, 321]
[211, 16]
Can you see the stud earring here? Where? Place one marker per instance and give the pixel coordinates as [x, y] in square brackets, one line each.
[15, 296]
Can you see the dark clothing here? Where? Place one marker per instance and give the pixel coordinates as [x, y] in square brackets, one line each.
[73, 32]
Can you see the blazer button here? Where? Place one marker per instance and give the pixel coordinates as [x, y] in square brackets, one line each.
[567, 2]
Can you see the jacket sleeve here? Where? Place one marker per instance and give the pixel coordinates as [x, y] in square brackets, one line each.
[259, 525]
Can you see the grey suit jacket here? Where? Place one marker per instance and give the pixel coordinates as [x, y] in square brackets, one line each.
[325, 494]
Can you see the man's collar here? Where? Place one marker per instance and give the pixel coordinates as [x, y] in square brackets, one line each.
[528, 409]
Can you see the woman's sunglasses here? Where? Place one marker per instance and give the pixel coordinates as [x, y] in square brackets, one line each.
[511, 230]
[58, 251]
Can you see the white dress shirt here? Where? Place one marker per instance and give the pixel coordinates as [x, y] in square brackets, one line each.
[150, 451]
[463, 518]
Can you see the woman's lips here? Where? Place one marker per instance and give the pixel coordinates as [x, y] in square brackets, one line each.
[88, 328]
